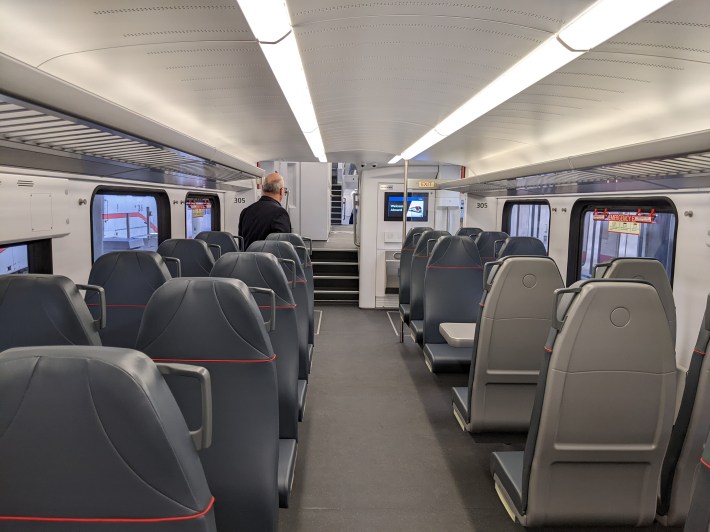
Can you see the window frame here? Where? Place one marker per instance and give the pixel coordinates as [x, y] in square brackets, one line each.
[216, 209]
[661, 204]
[508, 207]
[162, 202]
[39, 255]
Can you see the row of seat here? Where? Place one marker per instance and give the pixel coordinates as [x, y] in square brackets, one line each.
[215, 323]
[507, 387]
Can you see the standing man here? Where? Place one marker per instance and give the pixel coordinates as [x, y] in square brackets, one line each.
[265, 216]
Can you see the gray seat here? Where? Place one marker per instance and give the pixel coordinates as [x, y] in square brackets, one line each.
[603, 412]
[38, 309]
[647, 269]
[522, 245]
[305, 257]
[262, 270]
[405, 268]
[128, 278]
[420, 257]
[453, 285]
[285, 252]
[486, 242]
[691, 425]
[92, 439]
[215, 323]
[470, 232]
[196, 259]
[699, 513]
[516, 308]
[226, 242]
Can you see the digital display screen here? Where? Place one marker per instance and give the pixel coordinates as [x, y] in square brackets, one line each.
[417, 207]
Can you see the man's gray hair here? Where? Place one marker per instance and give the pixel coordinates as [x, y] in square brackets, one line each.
[273, 186]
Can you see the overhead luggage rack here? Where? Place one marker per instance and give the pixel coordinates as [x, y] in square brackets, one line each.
[28, 125]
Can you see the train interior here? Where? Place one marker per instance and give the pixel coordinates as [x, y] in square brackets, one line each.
[492, 312]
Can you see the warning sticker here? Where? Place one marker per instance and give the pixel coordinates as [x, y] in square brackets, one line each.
[628, 228]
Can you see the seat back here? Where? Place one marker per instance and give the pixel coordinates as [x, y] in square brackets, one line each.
[486, 241]
[420, 257]
[522, 245]
[516, 310]
[303, 254]
[40, 309]
[647, 269]
[128, 278]
[699, 514]
[196, 259]
[453, 284]
[405, 261]
[94, 434]
[603, 410]
[297, 282]
[262, 270]
[691, 425]
[470, 232]
[215, 323]
[226, 241]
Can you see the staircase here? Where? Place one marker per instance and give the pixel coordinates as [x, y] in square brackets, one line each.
[336, 197]
[336, 204]
[336, 276]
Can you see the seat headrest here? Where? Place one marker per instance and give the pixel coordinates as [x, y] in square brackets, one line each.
[40, 309]
[522, 245]
[195, 256]
[486, 243]
[93, 433]
[469, 231]
[204, 319]
[256, 269]
[223, 239]
[282, 250]
[413, 236]
[455, 252]
[423, 246]
[298, 244]
[118, 267]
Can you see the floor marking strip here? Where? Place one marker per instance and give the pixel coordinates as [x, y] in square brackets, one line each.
[389, 312]
[320, 319]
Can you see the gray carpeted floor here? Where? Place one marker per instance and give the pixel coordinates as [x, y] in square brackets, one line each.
[379, 447]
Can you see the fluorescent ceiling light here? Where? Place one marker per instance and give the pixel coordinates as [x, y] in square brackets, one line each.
[604, 19]
[395, 159]
[268, 19]
[270, 22]
[601, 21]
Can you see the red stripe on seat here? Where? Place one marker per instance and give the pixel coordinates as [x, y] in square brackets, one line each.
[126, 305]
[548, 349]
[454, 268]
[110, 519]
[702, 461]
[701, 353]
[228, 360]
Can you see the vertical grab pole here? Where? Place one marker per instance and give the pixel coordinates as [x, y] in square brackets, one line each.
[404, 230]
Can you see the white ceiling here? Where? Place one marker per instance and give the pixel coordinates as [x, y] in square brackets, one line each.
[381, 74]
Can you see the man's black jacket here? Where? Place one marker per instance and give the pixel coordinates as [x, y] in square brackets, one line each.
[262, 218]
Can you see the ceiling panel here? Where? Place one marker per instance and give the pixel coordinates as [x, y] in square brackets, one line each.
[192, 66]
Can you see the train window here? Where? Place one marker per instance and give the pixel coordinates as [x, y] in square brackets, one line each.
[14, 259]
[201, 214]
[26, 257]
[123, 219]
[529, 218]
[629, 228]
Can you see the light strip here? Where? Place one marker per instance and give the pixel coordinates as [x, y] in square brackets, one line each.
[395, 159]
[600, 22]
[270, 22]
[604, 19]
